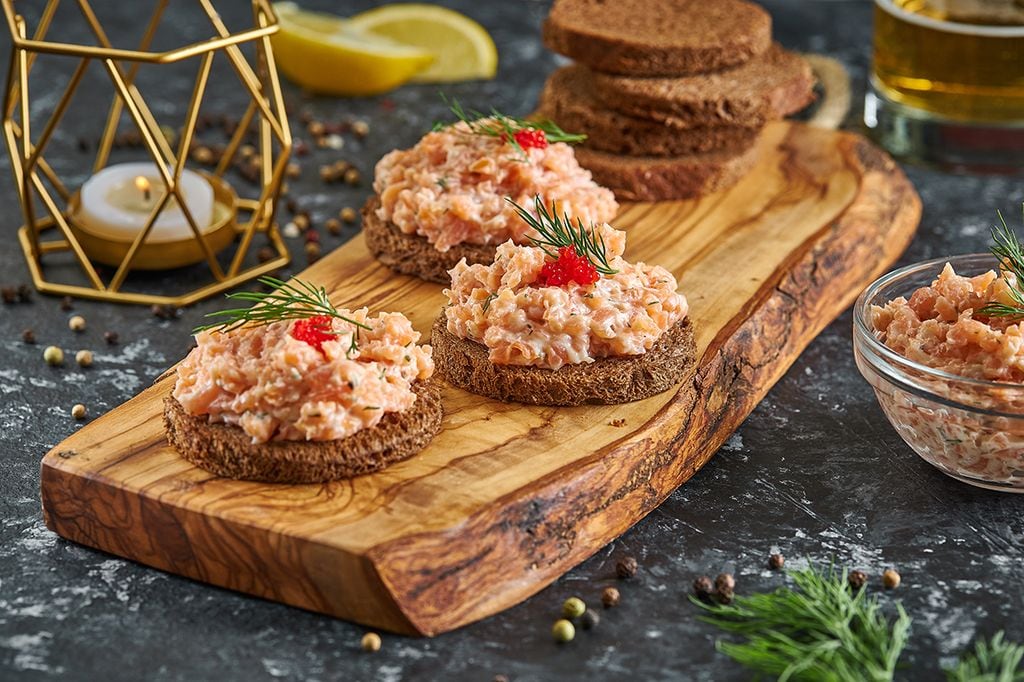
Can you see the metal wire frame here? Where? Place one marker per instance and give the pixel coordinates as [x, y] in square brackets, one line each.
[28, 162]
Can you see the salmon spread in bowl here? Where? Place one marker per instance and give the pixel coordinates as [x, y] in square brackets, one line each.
[450, 188]
[510, 309]
[313, 379]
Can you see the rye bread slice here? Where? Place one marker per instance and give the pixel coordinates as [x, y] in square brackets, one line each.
[569, 99]
[666, 178]
[464, 364]
[658, 37]
[412, 254]
[774, 84]
[228, 451]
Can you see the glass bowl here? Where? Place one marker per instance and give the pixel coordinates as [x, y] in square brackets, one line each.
[971, 429]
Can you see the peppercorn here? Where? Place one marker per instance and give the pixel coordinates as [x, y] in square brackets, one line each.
[291, 230]
[573, 607]
[78, 411]
[724, 595]
[67, 303]
[301, 221]
[776, 561]
[725, 581]
[327, 174]
[315, 128]
[84, 358]
[313, 252]
[292, 206]
[563, 631]
[202, 155]
[247, 151]
[371, 642]
[857, 579]
[703, 587]
[164, 312]
[332, 141]
[76, 323]
[293, 170]
[24, 293]
[589, 620]
[352, 177]
[360, 128]
[333, 226]
[626, 567]
[312, 236]
[111, 338]
[610, 597]
[300, 147]
[53, 356]
[9, 294]
[348, 214]
[501, 678]
[83, 144]
[890, 579]
[28, 336]
[264, 254]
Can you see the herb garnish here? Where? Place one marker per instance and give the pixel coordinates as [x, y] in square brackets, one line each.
[556, 232]
[296, 300]
[1010, 252]
[991, 661]
[821, 630]
[497, 124]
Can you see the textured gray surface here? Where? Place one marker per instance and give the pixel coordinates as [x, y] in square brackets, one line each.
[815, 472]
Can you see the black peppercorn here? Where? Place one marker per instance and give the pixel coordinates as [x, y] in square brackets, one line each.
[725, 581]
[724, 595]
[264, 254]
[703, 587]
[501, 678]
[28, 336]
[110, 337]
[776, 561]
[857, 579]
[626, 567]
[24, 293]
[67, 304]
[589, 620]
[9, 294]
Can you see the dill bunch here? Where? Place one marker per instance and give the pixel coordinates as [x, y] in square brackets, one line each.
[1010, 252]
[557, 231]
[994, 660]
[497, 124]
[819, 630]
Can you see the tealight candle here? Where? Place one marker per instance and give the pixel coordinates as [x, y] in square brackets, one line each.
[116, 202]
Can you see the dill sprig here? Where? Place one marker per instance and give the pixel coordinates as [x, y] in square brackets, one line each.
[295, 300]
[1010, 252]
[497, 124]
[820, 630]
[994, 660]
[556, 232]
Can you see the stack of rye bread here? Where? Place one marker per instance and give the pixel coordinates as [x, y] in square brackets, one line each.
[671, 94]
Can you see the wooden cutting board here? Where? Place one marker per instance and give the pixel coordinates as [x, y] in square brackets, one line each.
[508, 497]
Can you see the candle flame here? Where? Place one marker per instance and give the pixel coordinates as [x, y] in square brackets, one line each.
[142, 184]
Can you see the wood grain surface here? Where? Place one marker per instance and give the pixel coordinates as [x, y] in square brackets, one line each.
[508, 497]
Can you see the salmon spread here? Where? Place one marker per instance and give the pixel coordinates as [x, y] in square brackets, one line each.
[450, 188]
[940, 327]
[505, 307]
[281, 382]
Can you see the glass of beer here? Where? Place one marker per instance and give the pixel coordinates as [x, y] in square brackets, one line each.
[947, 83]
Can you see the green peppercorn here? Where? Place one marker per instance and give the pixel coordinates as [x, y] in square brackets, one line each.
[53, 356]
[563, 631]
[573, 607]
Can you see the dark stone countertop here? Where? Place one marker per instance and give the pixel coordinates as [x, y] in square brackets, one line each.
[816, 471]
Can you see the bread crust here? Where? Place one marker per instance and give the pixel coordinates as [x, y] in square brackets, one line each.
[657, 37]
[570, 100]
[412, 254]
[465, 364]
[229, 452]
[666, 178]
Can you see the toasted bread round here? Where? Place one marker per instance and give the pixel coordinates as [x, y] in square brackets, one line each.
[569, 99]
[228, 451]
[412, 254]
[770, 86]
[667, 178]
[465, 364]
[658, 37]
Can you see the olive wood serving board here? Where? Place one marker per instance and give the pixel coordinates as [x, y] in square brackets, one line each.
[509, 497]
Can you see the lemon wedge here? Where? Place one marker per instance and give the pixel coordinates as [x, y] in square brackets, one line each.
[462, 48]
[327, 54]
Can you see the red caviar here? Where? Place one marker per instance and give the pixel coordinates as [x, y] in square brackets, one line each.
[314, 331]
[568, 267]
[531, 138]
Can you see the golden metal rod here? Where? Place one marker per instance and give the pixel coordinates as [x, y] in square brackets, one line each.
[275, 86]
[57, 115]
[45, 167]
[129, 257]
[44, 25]
[236, 140]
[60, 221]
[193, 113]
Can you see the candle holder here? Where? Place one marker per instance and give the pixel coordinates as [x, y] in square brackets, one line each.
[51, 208]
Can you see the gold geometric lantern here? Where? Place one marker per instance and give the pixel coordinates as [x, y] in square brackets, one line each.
[154, 214]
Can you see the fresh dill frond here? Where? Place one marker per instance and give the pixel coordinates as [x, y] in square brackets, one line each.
[295, 300]
[1010, 252]
[995, 660]
[556, 232]
[819, 630]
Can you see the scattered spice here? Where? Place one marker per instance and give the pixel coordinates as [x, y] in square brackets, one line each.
[333, 226]
[776, 561]
[360, 128]
[332, 141]
[348, 214]
[725, 595]
[76, 323]
[202, 155]
[890, 579]
[265, 254]
[315, 128]
[53, 356]
[111, 338]
[293, 170]
[312, 236]
[626, 567]
[292, 206]
[857, 579]
[301, 221]
[610, 597]
[371, 642]
[67, 303]
[78, 411]
[703, 587]
[725, 581]
[84, 358]
[501, 678]
[28, 336]
[313, 252]
[590, 620]
[352, 177]
[574, 607]
[164, 312]
[291, 230]
[563, 631]
[24, 293]
[9, 294]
